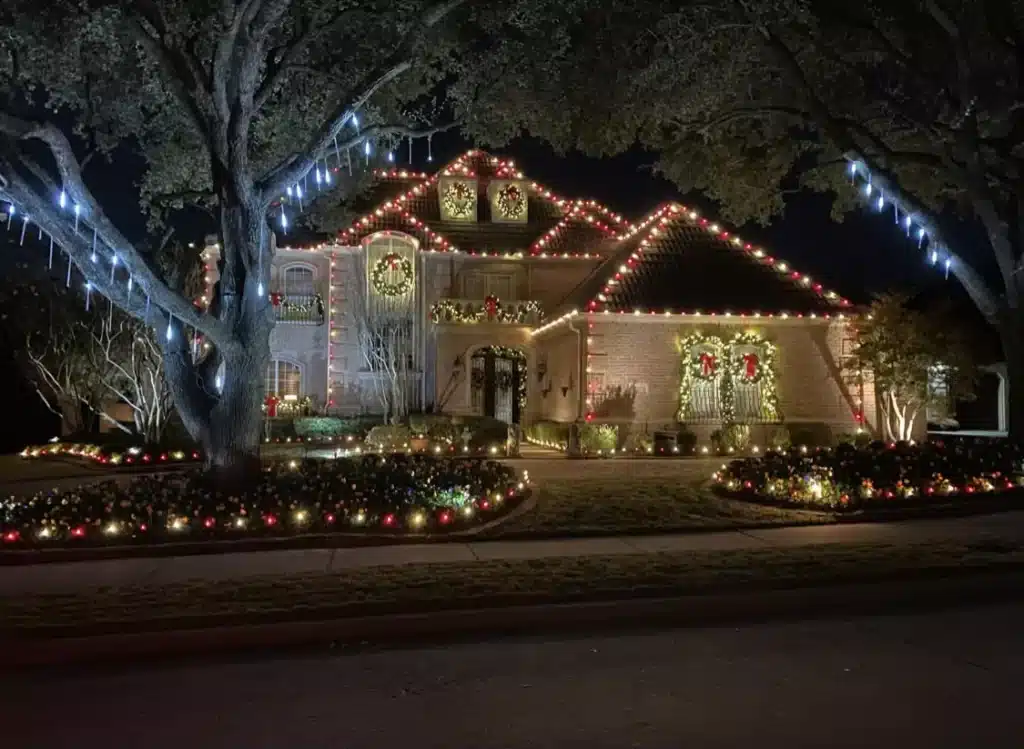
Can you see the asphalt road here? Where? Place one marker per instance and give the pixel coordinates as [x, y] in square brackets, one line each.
[951, 679]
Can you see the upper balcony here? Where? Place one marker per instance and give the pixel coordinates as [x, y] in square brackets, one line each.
[486, 311]
[298, 309]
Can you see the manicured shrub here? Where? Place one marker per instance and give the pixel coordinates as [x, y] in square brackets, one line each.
[485, 431]
[777, 438]
[598, 437]
[636, 441]
[549, 432]
[333, 427]
[732, 438]
[810, 434]
[389, 437]
[686, 441]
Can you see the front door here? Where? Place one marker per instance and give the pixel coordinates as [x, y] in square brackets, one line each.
[497, 380]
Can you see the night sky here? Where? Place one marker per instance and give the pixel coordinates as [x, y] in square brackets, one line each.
[864, 255]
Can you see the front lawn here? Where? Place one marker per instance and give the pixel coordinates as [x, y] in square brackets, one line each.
[635, 504]
[465, 585]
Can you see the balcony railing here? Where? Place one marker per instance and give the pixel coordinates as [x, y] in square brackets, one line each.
[486, 311]
[301, 309]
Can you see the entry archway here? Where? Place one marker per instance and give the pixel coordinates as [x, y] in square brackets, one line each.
[498, 383]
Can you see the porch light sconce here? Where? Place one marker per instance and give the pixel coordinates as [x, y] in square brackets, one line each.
[542, 368]
[567, 387]
[544, 391]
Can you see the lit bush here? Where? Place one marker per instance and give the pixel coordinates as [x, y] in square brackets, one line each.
[849, 477]
[396, 493]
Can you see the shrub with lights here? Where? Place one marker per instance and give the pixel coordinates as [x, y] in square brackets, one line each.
[849, 477]
[396, 494]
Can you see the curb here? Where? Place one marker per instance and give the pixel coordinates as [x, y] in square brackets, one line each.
[407, 629]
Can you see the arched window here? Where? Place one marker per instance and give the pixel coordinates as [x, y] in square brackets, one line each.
[298, 279]
[284, 378]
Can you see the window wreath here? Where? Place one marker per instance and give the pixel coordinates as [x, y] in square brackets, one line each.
[746, 358]
[389, 287]
[459, 199]
[511, 201]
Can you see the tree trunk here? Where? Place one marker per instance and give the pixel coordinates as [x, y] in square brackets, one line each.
[227, 422]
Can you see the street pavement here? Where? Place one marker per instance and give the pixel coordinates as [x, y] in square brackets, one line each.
[944, 680]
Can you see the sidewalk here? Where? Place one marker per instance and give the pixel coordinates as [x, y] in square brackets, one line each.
[74, 577]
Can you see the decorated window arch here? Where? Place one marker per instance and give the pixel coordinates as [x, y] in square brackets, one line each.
[731, 380]
[391, 267]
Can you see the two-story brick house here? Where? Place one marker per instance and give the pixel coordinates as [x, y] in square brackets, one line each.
[503, 299]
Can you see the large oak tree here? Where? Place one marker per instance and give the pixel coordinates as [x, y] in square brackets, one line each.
[230, 103]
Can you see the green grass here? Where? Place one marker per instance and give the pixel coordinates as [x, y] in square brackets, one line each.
[630, 505]
[391, 589]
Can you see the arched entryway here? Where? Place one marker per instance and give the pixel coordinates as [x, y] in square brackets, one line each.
[498, 383]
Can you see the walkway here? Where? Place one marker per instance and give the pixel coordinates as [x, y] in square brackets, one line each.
[83, 576]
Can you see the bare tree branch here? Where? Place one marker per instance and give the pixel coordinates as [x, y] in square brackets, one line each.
[61, 227]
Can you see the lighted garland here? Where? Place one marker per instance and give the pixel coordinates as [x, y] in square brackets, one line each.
[511, 202]
[459, 199]
[707, 358]
[392, 262]
[396, 494]
[518, 313]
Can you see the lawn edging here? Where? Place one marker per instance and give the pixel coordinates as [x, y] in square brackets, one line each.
[904, 593]
[333, 540]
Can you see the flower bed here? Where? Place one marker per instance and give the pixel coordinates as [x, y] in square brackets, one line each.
[398, 494]
[879, 475]
[109, 454]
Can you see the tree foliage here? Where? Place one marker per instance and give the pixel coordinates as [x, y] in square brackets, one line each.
[917, 362]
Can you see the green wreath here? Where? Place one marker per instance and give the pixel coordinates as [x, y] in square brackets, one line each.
[511, 202]
[392, 261]
[459, 198]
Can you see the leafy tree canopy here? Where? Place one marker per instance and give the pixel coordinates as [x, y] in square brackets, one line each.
[739, 98]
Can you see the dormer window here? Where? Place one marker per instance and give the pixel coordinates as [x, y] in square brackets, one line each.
[458, 198]
[508, 200]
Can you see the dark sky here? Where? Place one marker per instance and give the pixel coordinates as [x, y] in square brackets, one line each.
[864, 255]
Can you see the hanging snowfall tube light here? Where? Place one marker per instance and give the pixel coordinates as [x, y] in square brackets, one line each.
[62, 201]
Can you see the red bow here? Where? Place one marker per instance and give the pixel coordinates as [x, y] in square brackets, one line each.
[750, 361]
[707, 364]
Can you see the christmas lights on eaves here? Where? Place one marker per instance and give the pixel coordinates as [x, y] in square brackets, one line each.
[651, 229]
[912, 226]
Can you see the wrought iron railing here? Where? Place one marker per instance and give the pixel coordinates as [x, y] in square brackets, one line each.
[302, 309]
[486, 310]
